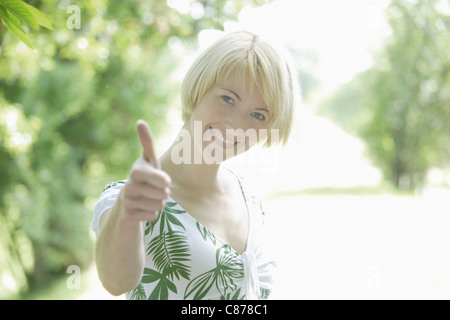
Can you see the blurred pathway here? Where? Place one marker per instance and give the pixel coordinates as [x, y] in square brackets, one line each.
[361, 247]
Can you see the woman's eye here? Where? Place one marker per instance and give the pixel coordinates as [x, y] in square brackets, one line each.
[228, 99]
[259, 116]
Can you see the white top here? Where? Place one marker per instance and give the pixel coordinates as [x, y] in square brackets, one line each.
[185, 260]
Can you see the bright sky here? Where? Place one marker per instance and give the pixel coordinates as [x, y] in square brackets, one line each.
[341, 32]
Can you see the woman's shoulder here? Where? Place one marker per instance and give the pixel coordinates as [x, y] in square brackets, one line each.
[106, 201]
[114, 185]
[249, 187]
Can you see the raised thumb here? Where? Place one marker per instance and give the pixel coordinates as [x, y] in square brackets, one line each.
[145, 137]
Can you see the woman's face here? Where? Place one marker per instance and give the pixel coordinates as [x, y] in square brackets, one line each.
[232, 117]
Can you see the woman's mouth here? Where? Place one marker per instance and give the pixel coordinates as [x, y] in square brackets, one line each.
[219, 137]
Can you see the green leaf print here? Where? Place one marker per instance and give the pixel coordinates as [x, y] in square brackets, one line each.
[161, 290]
[166, 218]
[113, 184]
[149, 227]
[265, 293]
[235, 296]
[201, 285]
[206, 233]
[137, 293]
[170, 251]
[228, 268]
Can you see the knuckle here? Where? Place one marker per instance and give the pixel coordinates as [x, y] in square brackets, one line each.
[127, 203]
[168, 179]
[128, 214]
[162, 178]
[166, 192]
[135, 174]
[155, 205]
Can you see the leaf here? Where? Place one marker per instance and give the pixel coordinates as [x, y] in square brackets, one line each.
[169, 252]
[137, 293]
[227, 269]
[174, 220]
[21, 12]
[176, 211]
[13, 25]
[149, 227]
[171, 204]
[166, 218]
[171, 286]
[40, 17]
[161, 290]
[155, 293]
[234, 297]
[151, 276]
[201, 285]
[206, 233]
[158, 293]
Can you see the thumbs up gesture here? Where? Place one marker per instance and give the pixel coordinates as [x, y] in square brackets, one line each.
[148, 185]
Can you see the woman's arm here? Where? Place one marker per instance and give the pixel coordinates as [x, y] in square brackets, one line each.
[119, 251]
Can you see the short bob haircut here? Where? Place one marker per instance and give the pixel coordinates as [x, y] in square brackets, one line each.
[269, 67]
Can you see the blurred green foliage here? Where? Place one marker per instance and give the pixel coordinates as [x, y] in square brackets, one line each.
[68, 110]
[401, 106]
[14, 13]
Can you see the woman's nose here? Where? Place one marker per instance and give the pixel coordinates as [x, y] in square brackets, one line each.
[236, 120]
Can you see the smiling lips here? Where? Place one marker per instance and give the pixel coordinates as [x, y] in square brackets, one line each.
[219, 137]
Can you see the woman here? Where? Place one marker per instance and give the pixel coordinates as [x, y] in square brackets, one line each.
[182, 226]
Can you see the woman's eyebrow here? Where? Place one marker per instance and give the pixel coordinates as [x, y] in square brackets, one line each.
[263, 109]
[237, 96]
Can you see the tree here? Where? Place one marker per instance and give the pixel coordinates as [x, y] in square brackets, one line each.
[67, 115]
[401, 106]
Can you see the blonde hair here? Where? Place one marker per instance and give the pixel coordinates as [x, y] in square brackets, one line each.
[268, 67]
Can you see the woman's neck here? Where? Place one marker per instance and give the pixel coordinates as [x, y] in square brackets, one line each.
[201, 177]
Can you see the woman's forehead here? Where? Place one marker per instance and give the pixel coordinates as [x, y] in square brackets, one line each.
[241, 86]
[240, 82]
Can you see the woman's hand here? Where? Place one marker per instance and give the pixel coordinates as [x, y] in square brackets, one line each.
[148, 186]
